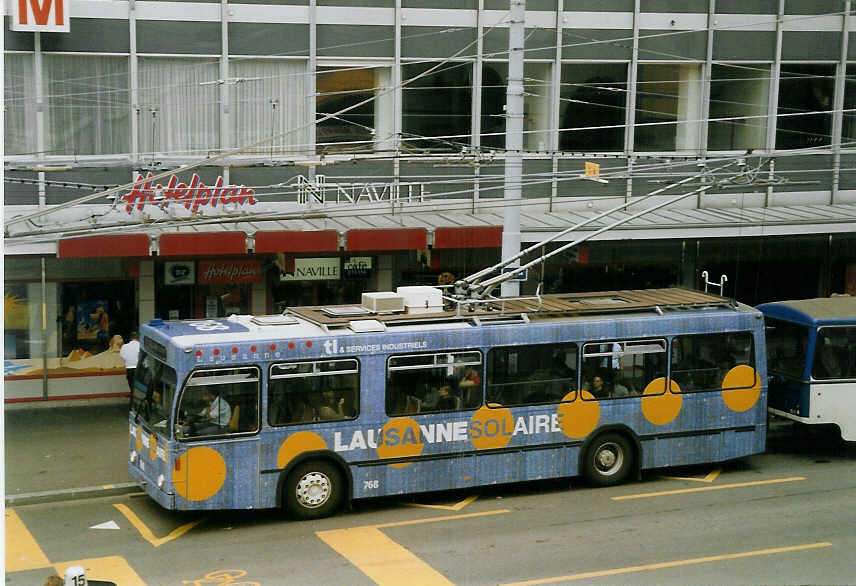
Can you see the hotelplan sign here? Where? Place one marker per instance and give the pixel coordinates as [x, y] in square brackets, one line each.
[46, 16]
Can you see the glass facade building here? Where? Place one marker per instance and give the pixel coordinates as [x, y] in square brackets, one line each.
[347, 119]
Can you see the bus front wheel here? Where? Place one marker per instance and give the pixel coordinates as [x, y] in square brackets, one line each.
[313, 490]
[608, 461]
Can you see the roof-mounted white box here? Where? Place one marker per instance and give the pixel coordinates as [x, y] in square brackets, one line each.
[421, 299]
[383, 301]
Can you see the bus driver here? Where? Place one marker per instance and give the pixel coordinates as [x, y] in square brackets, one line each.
[216, 415]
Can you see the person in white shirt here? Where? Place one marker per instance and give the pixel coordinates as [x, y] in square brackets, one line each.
[130, 355]
[218, 412]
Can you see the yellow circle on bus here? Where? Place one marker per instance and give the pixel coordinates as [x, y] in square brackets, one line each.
[400, 438]
[202, 474]
[139, 440]
[741, 388]
[297, 443]
[661, 401]
[153, 447]
[491, 427]
[578, 414]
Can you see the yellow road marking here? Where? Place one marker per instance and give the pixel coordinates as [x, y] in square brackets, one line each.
[110, 569]
[22, 550]
[147, 534]
[455, 507]
[382, 559]
[673, 564]
[645, 495]
[438, 519]
[709, 478]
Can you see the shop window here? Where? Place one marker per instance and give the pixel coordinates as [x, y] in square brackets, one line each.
[269, 102]
[739, 96]
[85, 326]
[536, 105]
[22, 321]
[530, 375]
[437, 108]
[92, 317]
[668, 107]
[178, 110]
[804, 89]
[87, 105]
[225, 299]
[359, 128]
[592, 107]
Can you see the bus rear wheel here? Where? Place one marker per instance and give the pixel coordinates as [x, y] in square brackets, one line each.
[313, 490]
[608, 460]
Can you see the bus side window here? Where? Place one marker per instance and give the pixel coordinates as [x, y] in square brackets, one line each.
[433, 383]
[832, 359]
[701, 362]
[531, 375]
[323, 390]
[219, 402]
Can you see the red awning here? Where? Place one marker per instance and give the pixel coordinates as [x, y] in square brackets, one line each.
[386, 239]
[468, 237]
[106, 246]
[202, 243]
[296, 241]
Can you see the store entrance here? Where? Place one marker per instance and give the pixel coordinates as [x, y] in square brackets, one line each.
[175, 302]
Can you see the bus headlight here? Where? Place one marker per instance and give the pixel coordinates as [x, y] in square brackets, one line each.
[133, 456]
[160, 480]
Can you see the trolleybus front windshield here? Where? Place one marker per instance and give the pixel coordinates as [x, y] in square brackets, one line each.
[154, 391]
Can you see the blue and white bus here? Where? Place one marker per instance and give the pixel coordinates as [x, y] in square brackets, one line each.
[811, 347]
[399, 395]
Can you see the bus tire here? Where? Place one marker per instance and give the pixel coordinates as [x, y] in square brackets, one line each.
[313, 490]
[608, 460]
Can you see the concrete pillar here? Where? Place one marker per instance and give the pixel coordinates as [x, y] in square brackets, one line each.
[258, 297]
[384, 272]
[146, 309]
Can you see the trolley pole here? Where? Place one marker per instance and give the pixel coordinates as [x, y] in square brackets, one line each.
[513, 141]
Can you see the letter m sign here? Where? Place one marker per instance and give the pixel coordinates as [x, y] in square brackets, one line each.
[50, 16]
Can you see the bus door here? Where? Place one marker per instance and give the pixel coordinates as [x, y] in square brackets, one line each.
[787, 354]
[833, 376]
[429, 401]
[216, 461]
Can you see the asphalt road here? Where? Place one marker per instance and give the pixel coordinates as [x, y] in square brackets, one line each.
[785, 517]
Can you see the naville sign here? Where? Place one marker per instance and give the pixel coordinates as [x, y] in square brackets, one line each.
[48, 16]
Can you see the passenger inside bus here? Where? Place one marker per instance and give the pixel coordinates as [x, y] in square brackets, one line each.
[619, 389]
[470, 386]
[597, 387]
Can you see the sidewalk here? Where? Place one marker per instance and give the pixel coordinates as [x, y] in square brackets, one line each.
[65, 450]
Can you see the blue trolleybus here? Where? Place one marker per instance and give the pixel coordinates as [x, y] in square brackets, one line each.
[405, 394]
[811, 347]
